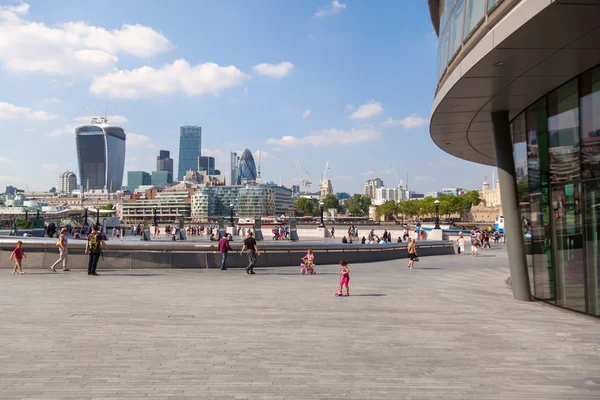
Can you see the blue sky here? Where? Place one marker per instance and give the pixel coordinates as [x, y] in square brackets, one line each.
[350, 81]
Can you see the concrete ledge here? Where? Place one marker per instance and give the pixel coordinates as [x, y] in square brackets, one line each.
[41, 253]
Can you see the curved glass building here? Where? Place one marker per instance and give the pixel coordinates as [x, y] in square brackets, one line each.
[247, 168]
[100, 155]
[518, 87]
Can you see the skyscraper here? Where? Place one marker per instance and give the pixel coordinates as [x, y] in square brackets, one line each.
[235, 165]
[100, 155]
[190, 141]
[67, 182]
[207, 164]
[247, 168]
[164, 162]
[135, 179]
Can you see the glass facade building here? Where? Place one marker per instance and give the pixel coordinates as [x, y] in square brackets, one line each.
[207, 164]
[101, 156]
[556, 145]
[164, 162]
[247, 168]
[135, 179]
[161, 178]
[190, 142]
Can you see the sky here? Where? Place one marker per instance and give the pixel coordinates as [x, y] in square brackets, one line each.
[347, 81]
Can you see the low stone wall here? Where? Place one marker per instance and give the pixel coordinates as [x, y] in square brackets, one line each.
[41, 253]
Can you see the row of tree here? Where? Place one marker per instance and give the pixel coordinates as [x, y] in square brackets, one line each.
[425, 208]
[357, 205]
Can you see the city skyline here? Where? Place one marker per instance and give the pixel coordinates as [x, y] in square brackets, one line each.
[302, 93]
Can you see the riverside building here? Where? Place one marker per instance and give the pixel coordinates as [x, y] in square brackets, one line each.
[518, 87]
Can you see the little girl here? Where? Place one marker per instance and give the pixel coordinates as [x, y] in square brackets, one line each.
[309, 260]
[345, 280]
[18, 254]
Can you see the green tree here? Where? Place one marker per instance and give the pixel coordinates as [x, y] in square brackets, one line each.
[409, 208]
[330, 201]
[108, 206]
[469, 199]
[388, 209]
[305, 205]
[359, 204]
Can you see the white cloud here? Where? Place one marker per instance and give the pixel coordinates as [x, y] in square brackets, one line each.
[112, 119]
[10, 179]
[49, 167]
[71, 47]
[412, 121]
[5, 160]
[369, 173]
[329, 137]
[66, 130]
[178, 77]
[349, 107]
[135, 140]
[312, 36]
[10, 111]
[52, 100]
[334, 8]
[306, 114]
[368, 110]
[263, 155]
[277, 71]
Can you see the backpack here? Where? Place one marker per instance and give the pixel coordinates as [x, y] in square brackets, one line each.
[94, 243]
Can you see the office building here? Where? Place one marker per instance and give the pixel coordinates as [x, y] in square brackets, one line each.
[326, 188]
[170, 206]
[295, 190]
[11, 190]
[433, 194]
[67, 182]
[385, 194]
[135, 179]
[190, 143]
[161, 178]
[453, 191]
[247, 168]
[371, 186]
[164, 162]
[283, 199]
[207, 164]
[342, 196]
[518, 87]
[235, 167]
[100, 155]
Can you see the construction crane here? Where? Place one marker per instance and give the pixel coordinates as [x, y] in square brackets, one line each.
[396, 175]
[324, 176]
[304, 175]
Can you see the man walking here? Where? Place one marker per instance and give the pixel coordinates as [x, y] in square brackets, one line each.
[224, 249]
[252, 251]
[93, 248]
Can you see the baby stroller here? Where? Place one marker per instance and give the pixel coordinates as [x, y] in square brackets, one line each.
[306, 267]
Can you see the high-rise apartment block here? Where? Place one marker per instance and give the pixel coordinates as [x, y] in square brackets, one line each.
[190, 142]
[67, 182]
[371, 186]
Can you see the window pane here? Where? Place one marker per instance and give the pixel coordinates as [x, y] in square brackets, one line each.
[456, 27]
[541, 244]
[537, 145]
[568, 246]
[493, 3]
[443, 52]
[563, 133]
[590, 124]
[475, 11]
[591, 201]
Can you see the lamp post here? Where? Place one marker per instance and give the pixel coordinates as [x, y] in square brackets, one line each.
[85, 215]
[98, 217]
[154, 216]
[26, 215]
[437, 214]
[321, 208]
[231, 207]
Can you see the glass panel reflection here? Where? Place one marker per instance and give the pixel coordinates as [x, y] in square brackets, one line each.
[475, 11]
[590, 124]
[456, 28]
[492, 4]
[591, 201]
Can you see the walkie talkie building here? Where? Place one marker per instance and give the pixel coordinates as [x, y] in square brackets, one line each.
[100, 155]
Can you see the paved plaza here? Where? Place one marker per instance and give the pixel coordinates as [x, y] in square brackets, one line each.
[441, 331]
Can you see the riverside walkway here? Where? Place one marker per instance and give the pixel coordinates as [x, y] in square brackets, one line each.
[449, 329]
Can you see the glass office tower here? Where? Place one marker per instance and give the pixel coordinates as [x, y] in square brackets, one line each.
[207, 164]
[100, 155]
[247, 168]
[190, 140]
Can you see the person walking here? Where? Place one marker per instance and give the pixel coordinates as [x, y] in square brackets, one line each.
[332, 232]
[93, 248]
[18, 254]
[63, 252]
[224, 248]
[412, 252]
[460, 243]
[251, 251]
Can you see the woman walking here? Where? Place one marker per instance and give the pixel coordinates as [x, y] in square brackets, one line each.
[63, 252]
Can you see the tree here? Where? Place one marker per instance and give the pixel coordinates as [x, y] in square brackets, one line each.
[330, 201]
[409, 207]
[387, 209]
[305, 205]
[108, 206]
[469, 199]
[359, 204]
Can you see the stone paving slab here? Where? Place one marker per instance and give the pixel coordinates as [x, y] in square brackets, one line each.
[449, 329]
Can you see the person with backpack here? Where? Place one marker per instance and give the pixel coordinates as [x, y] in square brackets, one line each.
[93, 248]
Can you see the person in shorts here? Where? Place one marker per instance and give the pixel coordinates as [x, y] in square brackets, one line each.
[345, 278]
[412, 252]
[18, 254]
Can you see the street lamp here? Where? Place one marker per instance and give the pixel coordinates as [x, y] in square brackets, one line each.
[98, 217]
[154, 215]
[231, 207]
[437, 214]
[85, 215]
[321, 208]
